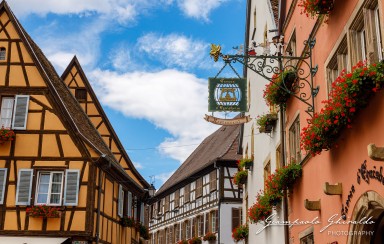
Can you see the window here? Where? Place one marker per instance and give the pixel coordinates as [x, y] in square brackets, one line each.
[206, 222]
[3, 180]
[194, 223]
[192, 191]
[236, 217]
[294, 141]
[199, 187]
[200, 225]
[267, 170]
[338, 63]
[278, 157]
[308, 239]
[187, 229]
[205, 186]
[214, 221]
[186, 193]
[49, 187]
[291, 49]
[14, 112]
[2, 53]
[81, 94]
[176, 231]
[379, 46]
[142, 206]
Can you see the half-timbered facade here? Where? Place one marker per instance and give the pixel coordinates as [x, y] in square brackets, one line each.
[200, 196]
[64, 175]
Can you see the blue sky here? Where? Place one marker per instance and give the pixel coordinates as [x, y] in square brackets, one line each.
[148, 61]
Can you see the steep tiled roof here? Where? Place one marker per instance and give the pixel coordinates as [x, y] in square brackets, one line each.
[221, 145]
[70, 107]
[275, 10]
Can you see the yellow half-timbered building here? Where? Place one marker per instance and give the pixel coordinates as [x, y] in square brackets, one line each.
[64, 175]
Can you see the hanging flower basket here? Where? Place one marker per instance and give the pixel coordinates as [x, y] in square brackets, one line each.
[266, 122]
[6, 135]
[350, 93]
[240, 177]
[245, 163]
[240, 233]
[43, 211]
[275, 92]
[313, 8]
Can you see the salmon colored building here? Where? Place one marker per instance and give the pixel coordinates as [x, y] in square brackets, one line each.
[64, 175]
[340, 196]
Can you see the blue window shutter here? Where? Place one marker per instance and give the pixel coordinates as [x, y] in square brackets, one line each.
[24, 186]
[71, 190]
[3, 179]
[20, 112]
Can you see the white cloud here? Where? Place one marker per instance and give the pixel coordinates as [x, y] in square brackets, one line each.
[123, 11]
[175, 50]
[137, 165]
[173, 100]
[164, 177]
[199, 9]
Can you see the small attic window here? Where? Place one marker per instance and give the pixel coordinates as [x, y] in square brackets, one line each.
[81, 94]
[2, 53]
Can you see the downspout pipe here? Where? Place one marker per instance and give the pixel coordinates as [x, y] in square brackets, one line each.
[98, 207]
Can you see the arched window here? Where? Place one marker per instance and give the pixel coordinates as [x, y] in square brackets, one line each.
[2, 53]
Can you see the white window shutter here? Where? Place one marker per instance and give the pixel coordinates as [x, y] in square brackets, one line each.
[129, 204]
[121, 202]
[3, 178]
[71, 190]
[20, 112]
[24, 186]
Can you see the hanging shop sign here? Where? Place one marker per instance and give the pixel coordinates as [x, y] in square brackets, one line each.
[227, 94]
[235, 121]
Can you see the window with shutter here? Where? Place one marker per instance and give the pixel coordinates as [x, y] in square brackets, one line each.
[49, 188]
[176, 231]
[193, 227]
[206, 222]
[213, 180]
[3, 178]
[24, 186]
[20, 112]
[236, 217]
[71, 191]
[142, 212]
[2, 53]
[129, 204]
[199, 187]
[120, 202]
[177, 198]
[186, 193]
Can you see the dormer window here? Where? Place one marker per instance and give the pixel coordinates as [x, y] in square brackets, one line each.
[2, 53]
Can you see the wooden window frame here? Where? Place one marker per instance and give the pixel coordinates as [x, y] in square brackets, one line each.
[294, 140]
[38, 184]
[7, 125]
[3, 53]
[81, 94]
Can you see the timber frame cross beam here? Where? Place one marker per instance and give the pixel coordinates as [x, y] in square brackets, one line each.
[269, 66]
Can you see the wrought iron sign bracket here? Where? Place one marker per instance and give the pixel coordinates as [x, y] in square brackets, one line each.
[267, 66]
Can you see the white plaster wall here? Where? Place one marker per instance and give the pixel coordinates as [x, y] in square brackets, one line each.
[226, 222]
[264, 144]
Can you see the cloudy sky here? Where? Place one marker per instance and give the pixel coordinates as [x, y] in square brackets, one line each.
[148, 61]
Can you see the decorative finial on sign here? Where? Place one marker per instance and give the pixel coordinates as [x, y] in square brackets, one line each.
[215, 52]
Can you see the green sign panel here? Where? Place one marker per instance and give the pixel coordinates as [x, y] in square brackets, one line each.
[227, 94]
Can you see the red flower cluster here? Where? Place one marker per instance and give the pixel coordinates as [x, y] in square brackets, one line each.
[274, 186]
[312, 8]
[43, 211]
[209, 236]
[240, 233]
[350, 92]
[6, 135]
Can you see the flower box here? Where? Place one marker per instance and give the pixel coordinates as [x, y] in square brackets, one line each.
[6, 135]
[127, 221]
[245, 163]
[211, 237]
[43, 211]
[195, 240]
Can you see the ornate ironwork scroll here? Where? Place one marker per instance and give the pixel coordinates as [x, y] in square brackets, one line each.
[269, 65]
